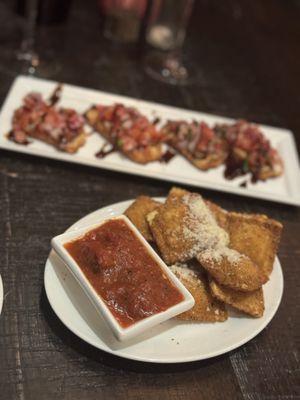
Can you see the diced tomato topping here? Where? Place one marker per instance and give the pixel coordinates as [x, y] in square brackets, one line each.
[38, 115]
[206, 136]
[250, 140]
[129, 129]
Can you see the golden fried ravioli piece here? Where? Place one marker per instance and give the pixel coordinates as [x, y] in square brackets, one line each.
[138, 211]
[186, 224]
[206, 308]
[185, 227]
[232, 269]
[256, 236]
[167, 227]
[219, 213]
[251, 303]
[177, 193]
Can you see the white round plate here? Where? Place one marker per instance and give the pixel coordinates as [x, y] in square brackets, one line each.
[1, 294]
[170, 342]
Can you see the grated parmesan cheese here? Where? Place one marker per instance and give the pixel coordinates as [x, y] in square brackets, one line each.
[218, 253]
[184, 271]
[201, 228]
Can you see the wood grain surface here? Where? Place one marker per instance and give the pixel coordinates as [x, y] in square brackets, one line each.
[247, 54]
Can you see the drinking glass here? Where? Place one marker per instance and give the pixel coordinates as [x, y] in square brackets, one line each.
[31, 63]
[166, 33]
[27, 54]
[123, 19]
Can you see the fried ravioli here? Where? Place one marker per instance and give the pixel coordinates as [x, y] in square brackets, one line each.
[256, 236]
[138, 211]
[251, 303]
[185, 227]
[233, 269]
[206, 308]
[170, 226]
[167, 227]
[228, 256]
[219, 213]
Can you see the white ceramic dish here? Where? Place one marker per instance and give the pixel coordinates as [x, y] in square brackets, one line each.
[170, 342]
[138, 327]
[285, 189]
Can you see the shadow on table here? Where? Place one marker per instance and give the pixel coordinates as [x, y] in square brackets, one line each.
[71, 340]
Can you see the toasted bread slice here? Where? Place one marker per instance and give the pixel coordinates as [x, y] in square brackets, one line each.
[206, 308]
[62, 128]
[197, 143]
[146, 154]
[74, 145]
[70, 146]
[206, 163]
[210, 161]
[138, 211]
[249, 151]
[91, 116]
[251, 303]
[141, 154]
[273, 171]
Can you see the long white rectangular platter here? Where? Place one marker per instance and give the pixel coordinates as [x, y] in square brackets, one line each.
[285, 189]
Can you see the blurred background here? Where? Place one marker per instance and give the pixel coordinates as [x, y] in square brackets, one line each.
[221, 50]
[235, 58]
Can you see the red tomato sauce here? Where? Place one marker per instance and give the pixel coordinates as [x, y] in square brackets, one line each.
[121, 270]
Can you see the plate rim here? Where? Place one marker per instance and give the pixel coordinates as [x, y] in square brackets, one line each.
[118, 353]
[292, 169]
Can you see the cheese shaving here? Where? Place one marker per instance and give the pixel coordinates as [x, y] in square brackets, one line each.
[183, 271]
[207, 237]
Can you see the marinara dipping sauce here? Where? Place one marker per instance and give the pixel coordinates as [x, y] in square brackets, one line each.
[121, 270]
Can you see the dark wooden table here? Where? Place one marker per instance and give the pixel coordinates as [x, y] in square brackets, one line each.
[248, 55]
